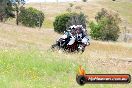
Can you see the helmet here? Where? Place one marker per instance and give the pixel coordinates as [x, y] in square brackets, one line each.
[73, 27]
[80, 26]
[70, 27]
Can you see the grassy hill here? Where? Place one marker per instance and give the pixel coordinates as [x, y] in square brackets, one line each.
[27, 62]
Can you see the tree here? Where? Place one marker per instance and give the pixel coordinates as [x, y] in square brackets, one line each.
[6, 10]
[107, 27]
[17, 4]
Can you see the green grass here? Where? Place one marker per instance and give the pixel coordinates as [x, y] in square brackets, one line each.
[33, 69]
[40, 69]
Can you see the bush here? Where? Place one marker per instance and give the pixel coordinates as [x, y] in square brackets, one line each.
[31, 17]
[107, 27]
[63, 21]
[95, 30]
[60, 22]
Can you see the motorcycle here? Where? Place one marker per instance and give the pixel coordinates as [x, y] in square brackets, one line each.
[77, 46]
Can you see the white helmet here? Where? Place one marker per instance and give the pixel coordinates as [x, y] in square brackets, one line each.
[80, 26]
[73, 26]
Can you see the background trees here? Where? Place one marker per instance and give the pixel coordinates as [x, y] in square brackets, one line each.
[6, 10]
[9, 7]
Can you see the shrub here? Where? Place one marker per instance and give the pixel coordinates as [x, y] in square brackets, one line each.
[107, 27]
[31, 17]
[63, 21]
[60, 22]
[95, 30]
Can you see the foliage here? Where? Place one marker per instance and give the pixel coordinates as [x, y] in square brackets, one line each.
[63, 21]
[60, 22]
[6, 10]
[17, 4]
[107, 27]
[95, 30]
[31, 17]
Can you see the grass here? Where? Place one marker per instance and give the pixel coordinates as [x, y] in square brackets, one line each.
[33, 69]
[48, 23]
[44, 69]
[27, 62]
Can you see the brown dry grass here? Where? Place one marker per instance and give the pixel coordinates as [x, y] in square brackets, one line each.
[53, 9]
[18, 36]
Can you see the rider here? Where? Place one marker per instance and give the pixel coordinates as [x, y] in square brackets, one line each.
[76, 32]
[82, 35]
[69, 36]
[72, 36]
